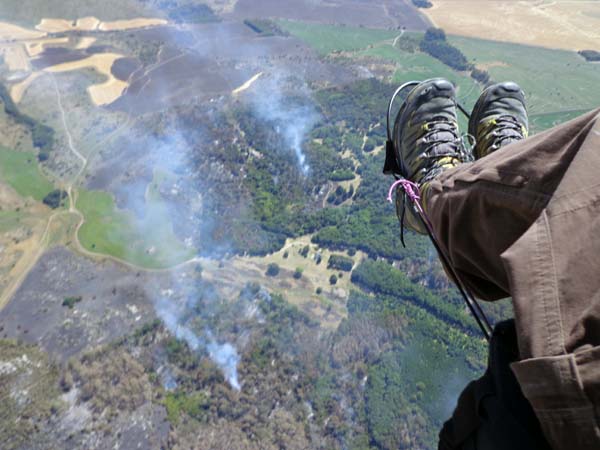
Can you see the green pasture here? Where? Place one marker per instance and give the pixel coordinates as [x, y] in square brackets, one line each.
[31, 12]
[555, 81]
[334, 38]
[559, 84]
[21, 171]
[147, 242]
[10, 220]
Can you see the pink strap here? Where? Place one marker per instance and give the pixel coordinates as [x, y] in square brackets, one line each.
[411, 189]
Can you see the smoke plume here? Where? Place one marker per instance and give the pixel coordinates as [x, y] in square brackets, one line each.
[289, 111]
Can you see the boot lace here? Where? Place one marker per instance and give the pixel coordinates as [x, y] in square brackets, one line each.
[506, 130]
[444, 147]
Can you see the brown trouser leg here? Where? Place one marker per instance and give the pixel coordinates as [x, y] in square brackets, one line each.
[525, 222]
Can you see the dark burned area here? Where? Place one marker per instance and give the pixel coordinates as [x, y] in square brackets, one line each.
[52, 56]
[297, 386]
[211, 60]
[123, 68]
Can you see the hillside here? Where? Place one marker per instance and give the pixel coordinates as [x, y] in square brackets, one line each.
[196, 247]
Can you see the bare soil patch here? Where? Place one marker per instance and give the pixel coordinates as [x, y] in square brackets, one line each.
[94, 24]
[119, 25]
[15, 57]
[85, 42]
[17, 90]
[62, 25]
[36, 48]
[10, 32]
[104, 93]
[562, 24]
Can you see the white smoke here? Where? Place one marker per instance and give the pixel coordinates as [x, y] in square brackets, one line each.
[227, 358]
[175, 316]
[292, 121]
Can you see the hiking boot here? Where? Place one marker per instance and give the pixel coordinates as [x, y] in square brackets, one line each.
[499, 118]
[426, 140]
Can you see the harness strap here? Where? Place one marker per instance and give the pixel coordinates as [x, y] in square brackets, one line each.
[411, 191]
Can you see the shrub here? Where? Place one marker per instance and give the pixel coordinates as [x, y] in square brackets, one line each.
[435, 34]
[333, 279]
[480, 75]
[340, 262]
[272, 270]
[342, 175]
[298, 273]
[422, 3]
[590, 55]
[70, 301]
[55, 198]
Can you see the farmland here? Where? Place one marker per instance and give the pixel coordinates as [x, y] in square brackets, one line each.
[20, 170]
[225, 268]
[562, 24]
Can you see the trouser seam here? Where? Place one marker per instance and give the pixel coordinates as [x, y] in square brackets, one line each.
[555, 294]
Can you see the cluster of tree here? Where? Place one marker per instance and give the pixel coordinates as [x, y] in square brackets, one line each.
[55, 198]
[480, 75]
[70, 302]
[434, 43]
[358, 105]
[340, 262]
[353, 142]
[590, 55]
[189, 13]
[264, 27]
[342, 175]
[389, 412]
[272, 270]
[41, 135]
[382, 278]
[370, 145]
[192, 404]
[422, 3]
[340, 195]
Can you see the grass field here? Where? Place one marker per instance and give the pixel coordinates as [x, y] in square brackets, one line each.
[148, 242]
[31, 12]
[331, 38]
[20, 170]
[10, 220]
[554, 80]
[420, 66]
[566, 24]
[559, 84]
